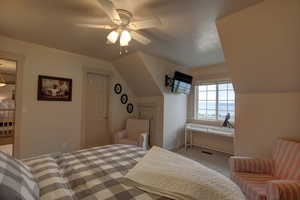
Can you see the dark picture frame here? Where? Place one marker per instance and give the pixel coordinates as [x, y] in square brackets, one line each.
[124, 98]
[118, 88]
[130, 108]
[54, 88]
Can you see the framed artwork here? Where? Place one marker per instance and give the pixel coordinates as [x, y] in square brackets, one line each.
[129, 108]
[54, 89]
[118, 88]
[124, 98]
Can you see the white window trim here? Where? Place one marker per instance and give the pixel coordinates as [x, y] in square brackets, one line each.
[196, 105]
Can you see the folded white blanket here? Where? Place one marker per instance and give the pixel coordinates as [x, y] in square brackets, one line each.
[168, 174]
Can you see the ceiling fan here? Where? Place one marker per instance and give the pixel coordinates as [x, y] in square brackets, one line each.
[123, 27]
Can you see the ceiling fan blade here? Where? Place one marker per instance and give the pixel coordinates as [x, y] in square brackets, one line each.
[140, 38]
[109, 8]
[108, 27]
[144, 24]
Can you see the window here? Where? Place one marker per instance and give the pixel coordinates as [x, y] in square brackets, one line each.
[215, 101]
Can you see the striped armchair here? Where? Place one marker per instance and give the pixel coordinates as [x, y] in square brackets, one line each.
[273, 179]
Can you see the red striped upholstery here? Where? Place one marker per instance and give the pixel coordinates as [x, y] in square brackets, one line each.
[287, 160]
[253, 185]
[246, 164]
[277, 179]
[283, 189]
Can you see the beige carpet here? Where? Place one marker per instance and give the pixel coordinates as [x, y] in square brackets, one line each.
[217, 161]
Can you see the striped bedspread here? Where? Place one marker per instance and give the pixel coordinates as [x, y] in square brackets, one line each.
[95, 173]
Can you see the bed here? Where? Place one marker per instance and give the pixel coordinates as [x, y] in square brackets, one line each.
[95, 173]
[113, 172]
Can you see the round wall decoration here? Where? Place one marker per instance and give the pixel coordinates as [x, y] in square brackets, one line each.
[124, 98]
[129, 108]
[118, 88]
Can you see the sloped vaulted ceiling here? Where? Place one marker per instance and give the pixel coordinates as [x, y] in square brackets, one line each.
[135, 73]
[144, 73]
[262, 46]
[188, 35]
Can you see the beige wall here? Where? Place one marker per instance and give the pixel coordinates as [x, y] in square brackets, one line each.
[148, 93]
[55, 126]
[263, 117]
[261, 46]
[153, 106]
[158, 68]
[146, 76]
[207, 74]
[133, 70]
[174, 105]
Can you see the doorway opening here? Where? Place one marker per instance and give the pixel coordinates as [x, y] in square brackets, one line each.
[8, 75]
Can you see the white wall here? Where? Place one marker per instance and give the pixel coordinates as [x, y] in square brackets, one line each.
[6, 92]
[261, 46]
[175, 113]
[55, 126]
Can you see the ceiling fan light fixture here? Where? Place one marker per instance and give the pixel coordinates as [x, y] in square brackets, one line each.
[113, 37]
[124, 44]
[124, 29]
[125, 38]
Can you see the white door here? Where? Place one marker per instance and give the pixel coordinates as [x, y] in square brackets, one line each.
[97, 111]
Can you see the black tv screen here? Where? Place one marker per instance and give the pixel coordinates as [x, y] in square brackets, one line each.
[182, 83]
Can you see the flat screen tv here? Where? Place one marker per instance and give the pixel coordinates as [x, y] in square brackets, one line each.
[182, 83]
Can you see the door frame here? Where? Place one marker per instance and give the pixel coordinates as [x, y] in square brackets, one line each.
[20, 60]
[102, 72]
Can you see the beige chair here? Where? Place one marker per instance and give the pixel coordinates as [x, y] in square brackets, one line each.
[136, 133]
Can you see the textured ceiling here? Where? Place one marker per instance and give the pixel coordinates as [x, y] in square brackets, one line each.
[188, 35]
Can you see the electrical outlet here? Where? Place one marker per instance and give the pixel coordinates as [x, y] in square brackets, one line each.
[65, 147]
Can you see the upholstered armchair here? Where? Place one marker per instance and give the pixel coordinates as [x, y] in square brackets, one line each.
[270, 179]
[136, 133]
